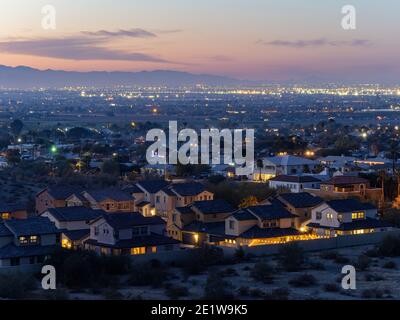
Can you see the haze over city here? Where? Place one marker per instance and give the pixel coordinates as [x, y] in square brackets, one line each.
[255, 39]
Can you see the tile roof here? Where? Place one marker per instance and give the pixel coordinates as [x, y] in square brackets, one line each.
[185, 210]
[348, 205]
[268, 212]
[153, 186]
[345, 180]
[289, 160]
[75, 213]
[4, 231]
[243, 215]
[124, 220]
[187, 189]
[112, 193]
[301, 199]
[132, 189]
[76, 234]
[295, 179]
[8, 207]
[62, 192]
[31, 226]
[213, 206]
[215, 228]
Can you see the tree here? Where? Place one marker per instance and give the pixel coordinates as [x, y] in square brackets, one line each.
[16, 127]
[110, 167]
[248, 202]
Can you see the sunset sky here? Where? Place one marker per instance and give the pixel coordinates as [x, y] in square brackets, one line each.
[247, 39]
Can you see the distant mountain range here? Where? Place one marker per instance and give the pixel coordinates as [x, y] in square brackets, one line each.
[25, 77]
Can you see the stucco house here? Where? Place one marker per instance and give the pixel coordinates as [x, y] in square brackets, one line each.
[345, 217]
[129, 234]
[179, 195]
[26, 243]
[283, 165]
[110, 200]
[54, 197]
[294, 183]
[74, 222]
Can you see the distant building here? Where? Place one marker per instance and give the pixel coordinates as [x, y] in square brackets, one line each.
[12, 211]
[344, 187]
[283, 165]
[294, 183]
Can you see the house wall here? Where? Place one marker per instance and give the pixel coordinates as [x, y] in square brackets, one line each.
[239, 226]
[5, 240]
[44, 201]
[105, 232]
[325, 209]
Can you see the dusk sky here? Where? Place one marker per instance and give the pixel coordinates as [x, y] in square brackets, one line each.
[247, 39]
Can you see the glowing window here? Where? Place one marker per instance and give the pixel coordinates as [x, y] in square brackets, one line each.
[5, 215]
[358, 215]
[23, 240]
[138, 250]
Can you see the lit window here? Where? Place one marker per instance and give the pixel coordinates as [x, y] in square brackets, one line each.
[5, 215]
[153, 249]
[65, 243]
[138, 250]
[33, 239]
[358, 215]
[329, 216]
[23, 240]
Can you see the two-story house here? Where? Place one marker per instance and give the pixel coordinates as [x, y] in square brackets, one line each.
[195, 223]
[129, 234]
[26, 243]
[179, 195]
[54, 197]
[300, 204]
[12, 211]
[343, 187]
[74, 222]
[110, 200]
[345, 217]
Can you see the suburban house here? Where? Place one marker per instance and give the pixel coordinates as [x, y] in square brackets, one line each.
[129, 234]
[185, 223]
[344, 187]
[283, 165]
[294, 183]
[74, 222]
[345, 217]
[147, 190]
[300, 204]
[26, 243]
[12, 211]
[54, 197]
[110, 200]
[179, 195]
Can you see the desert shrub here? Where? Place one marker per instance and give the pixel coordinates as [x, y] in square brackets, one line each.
[240, 255]
[57, 294]
[112, 294]
[174, 292]
[244, 291]
[262, 272]
[341, 259]
[390, 265]
[291, 257]
[372, 253]
[389, 247]
[217, 288]
[362, 262]
[256, 293]
[16, 286]
[374, 293]
[305, 280]
[316, 265]
[329, 255]
[146, 275]
[198, 260]
[373, 277]
[331, 287]
[116, 265]
[278, 294]
[229, 272]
